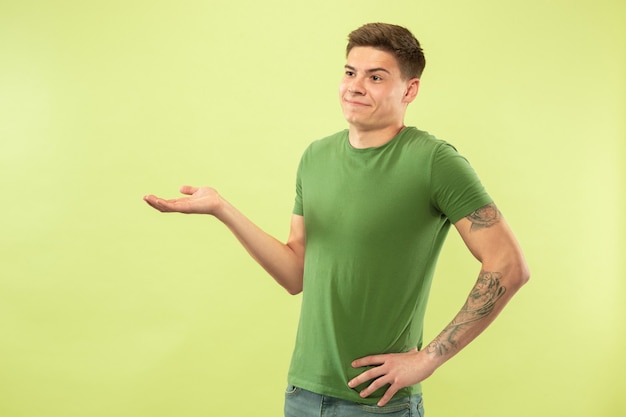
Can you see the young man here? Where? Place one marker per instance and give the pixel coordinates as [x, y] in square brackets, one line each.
[373, 206]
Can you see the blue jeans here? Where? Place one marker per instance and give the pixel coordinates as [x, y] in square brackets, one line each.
[303, 403]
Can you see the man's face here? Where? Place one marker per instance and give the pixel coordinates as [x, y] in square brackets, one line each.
[373, 93]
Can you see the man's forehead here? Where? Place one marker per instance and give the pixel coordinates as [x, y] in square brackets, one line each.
[365, 58]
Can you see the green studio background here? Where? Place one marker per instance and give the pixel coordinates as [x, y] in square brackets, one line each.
[109, 308]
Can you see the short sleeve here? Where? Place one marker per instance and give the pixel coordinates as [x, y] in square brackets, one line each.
[298, 207]
[457, 190]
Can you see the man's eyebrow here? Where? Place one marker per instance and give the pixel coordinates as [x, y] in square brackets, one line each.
[369, 71]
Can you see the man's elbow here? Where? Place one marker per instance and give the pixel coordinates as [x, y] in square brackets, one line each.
[294, 289]
[294, 284]
[521, 274]
[294, 292]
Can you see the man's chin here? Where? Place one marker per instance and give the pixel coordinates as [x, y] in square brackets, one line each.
[359, 123]
[356, 120]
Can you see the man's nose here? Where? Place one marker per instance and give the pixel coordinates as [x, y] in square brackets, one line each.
[357, 86]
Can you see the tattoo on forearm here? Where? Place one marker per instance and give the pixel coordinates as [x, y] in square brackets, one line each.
[484, 217]
[479, 304]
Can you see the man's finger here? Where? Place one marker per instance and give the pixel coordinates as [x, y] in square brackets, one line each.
[373, 387]
[151, 200]
[188, 189]
[163, 206]
[388, 396]
[368, 360]
[366, 376]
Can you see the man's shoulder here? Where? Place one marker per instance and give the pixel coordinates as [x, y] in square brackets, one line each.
[329, 143]
[415, 136]
[413, 142]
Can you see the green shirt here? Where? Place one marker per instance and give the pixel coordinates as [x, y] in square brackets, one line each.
[375, 222]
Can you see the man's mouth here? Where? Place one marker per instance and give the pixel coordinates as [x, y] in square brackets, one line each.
[355, 103]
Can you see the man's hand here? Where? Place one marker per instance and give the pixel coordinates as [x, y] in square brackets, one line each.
[398, 370]
[202, 200]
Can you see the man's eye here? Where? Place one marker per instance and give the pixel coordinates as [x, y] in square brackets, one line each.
[349, 73]
[376, 78]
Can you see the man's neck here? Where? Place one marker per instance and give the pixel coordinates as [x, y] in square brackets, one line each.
[363, 138]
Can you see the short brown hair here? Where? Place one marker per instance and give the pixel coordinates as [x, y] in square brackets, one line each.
[394, 39]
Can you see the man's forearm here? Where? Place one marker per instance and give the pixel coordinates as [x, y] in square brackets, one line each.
[284, 262]
[491, 293]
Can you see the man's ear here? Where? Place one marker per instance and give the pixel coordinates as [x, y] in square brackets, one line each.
[413, 86]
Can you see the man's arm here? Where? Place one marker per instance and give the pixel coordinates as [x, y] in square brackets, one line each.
[283, 261]
[503, 272]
